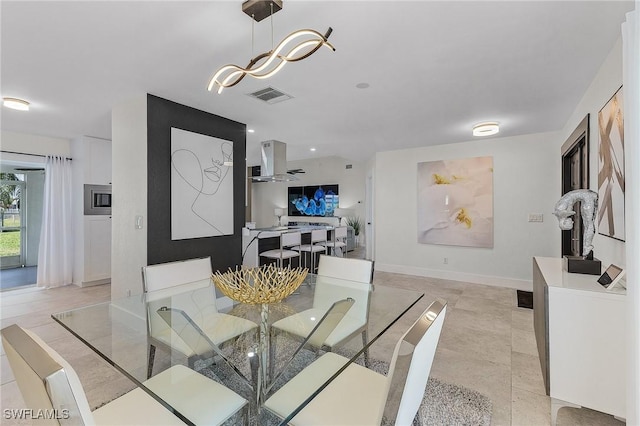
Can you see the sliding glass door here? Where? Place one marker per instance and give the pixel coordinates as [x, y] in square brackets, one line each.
[12, 217]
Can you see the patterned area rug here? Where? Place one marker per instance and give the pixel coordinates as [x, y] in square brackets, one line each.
[443, 403]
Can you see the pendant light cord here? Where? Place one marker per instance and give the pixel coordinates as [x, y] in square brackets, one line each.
[271, 25]
[253, 20]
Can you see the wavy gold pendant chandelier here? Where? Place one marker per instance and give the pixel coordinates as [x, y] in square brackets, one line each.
[295, 47]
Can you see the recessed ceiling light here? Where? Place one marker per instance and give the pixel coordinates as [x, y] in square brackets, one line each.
[312, 149]
[250, 130]
[15, 103]
[486, 128]
[362, 85]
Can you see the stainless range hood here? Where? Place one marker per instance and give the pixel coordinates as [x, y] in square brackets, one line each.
[273, 163]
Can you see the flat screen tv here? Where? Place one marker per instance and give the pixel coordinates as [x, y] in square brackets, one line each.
[314, 200]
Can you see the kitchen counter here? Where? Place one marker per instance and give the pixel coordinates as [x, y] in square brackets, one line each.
[255, 241]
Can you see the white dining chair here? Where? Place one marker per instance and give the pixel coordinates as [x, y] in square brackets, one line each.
[358, 275]
[316, 245]
[194, 336]
[288, 240]
[48, 382]
[322, 327]
[186, 285]
[358, 395]
[360, 270]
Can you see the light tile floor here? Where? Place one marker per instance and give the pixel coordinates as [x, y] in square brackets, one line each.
[487, 345]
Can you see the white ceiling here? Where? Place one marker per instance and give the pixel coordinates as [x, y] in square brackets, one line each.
[434, 68]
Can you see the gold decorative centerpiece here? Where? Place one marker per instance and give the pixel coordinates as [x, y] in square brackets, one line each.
[264, 284]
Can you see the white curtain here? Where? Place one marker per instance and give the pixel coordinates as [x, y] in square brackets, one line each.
[631, 88]
[55, 256]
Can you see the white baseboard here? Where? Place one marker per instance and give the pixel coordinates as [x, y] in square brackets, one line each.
[92, 283]
[514, 283]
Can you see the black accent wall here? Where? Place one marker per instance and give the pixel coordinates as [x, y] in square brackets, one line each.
[162, 115]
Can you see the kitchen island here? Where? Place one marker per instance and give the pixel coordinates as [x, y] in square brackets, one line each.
[258, 240]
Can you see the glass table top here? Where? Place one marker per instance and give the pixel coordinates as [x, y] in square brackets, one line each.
[251, 349]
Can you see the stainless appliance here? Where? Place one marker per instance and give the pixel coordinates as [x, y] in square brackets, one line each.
[97, 199]
[273, 165]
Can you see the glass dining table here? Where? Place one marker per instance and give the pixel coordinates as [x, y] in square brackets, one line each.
[255, 363]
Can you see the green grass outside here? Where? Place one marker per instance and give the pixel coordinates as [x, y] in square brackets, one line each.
[11, 220]
[10, 243]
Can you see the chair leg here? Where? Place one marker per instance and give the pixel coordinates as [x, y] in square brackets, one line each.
[245, 415]
[191, 362]
[151, 352]
[271, 356]
[365, 340]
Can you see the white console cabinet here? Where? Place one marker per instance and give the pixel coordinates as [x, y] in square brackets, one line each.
[91, 165]
[580, 333]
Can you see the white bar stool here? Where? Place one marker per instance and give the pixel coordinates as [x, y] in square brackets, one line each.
[339, 241]
[288, 240]
[317, 245]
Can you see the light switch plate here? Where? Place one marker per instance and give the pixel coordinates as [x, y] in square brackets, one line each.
[536, 217]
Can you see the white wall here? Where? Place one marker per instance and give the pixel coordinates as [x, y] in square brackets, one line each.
[602, 88]
[129, 173]
[34, 144]
[267, 196]
[526, 180]
[631, 65]
[369, 218]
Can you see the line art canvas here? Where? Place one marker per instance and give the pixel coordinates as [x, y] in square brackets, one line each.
[201, 185]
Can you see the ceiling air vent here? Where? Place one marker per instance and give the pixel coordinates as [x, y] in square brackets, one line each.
[270, 95]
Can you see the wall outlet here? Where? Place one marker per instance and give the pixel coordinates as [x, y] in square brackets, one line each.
[536, 217]
[445, 260]
[128, 293]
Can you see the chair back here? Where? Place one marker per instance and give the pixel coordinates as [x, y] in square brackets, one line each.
[46, 381]
[184, 285]
[166, 275]
[318, 235]
[360, 270]
[340, 232]
[197, 298]
[411, 364]
[290, 239]
[327, 291]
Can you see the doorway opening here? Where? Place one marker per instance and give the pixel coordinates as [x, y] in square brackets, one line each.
[575, 175]
[21, 199]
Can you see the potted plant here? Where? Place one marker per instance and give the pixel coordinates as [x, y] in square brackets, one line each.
[356, 224]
